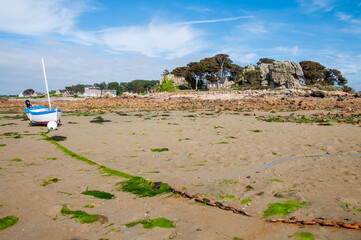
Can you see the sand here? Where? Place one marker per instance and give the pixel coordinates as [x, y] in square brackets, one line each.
[213, 155]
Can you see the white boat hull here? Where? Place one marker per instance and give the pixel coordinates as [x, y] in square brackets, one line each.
[42, 115]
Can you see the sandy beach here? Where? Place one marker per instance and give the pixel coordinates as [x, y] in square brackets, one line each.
[225, 156]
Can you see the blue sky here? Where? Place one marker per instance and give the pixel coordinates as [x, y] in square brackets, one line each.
[93, 41]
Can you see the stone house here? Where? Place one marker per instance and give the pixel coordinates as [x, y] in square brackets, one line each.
[224, 83]
[92, 92]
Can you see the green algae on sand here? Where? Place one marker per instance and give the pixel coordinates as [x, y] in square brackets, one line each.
[149, 223]
[7, 222]
[143, 187]
[81, 216]
[303, 236]
[98, 194]
[283, 209]
[159, 149]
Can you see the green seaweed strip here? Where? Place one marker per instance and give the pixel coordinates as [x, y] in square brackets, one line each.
[82, 216]
[8, 222]
[283, 209]
[149, 223]
[304, 236]
[136, 185]
[98, 194]
[143, 187]
[115, 172]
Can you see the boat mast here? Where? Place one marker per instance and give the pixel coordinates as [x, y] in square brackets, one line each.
[46, 83]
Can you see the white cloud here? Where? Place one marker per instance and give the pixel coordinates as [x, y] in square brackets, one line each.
[311, 6]
[347, 18]
[288, 51]
[155, 40]
[35, 17]
[254, 27]
[215, 20]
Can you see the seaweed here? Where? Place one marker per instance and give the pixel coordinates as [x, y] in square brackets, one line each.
[222, 143]
[249, 188]
[16, 160]
[2, 145]
[149, 223]
[7, 222]
[283, 209]
[144, 187]
[247, 200]
[256, 131]
[228, 197]
[58, 138]
[99, 119]
[304, 236]
[159, 149]
[98, 194]
[49, 181]
[82, 216]
[275, 180]
[153, 172]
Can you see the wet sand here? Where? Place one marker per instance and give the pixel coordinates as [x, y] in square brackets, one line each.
[213, 155]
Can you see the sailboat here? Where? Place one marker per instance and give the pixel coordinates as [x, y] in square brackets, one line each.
[42, 115]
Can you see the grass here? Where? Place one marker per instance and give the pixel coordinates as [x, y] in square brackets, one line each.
[159, 149]
[303, 236]
[283, 209]
[81, 216]
[256, 131]
[222, 143]
[149, 223]
[356, 210]
[2, 145]
[7, 222]
[98, 194]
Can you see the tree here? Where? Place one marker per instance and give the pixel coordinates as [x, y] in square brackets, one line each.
[334, 77]
[102, 85]
[313, 72]
[236, 72]
[113, 85]
[165, 73]
[223, 61]
[196, 69]
[253, 78]
[28, 92]
[180, 71]
[265, 60]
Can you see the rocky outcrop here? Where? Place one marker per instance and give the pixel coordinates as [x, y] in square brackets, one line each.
[283, 74]
[177, 81]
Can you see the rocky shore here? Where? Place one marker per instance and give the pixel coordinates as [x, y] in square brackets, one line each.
[243, 101]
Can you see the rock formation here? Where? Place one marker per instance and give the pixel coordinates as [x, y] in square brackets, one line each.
[177, 81]
[283, 74]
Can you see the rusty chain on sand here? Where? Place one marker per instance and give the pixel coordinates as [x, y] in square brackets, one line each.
[316, 221]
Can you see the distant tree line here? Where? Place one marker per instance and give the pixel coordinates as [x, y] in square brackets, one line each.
[135, 86]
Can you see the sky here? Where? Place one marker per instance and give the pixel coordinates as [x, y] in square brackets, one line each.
[94, 41]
